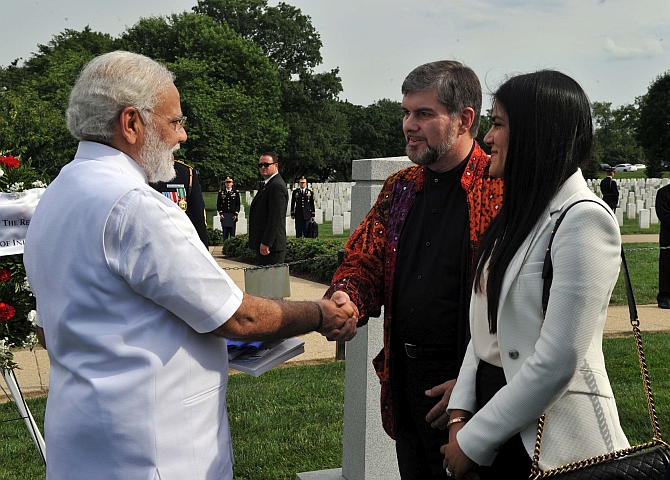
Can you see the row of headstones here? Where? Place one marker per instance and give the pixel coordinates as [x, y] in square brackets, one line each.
[637, 199]
[336, 197]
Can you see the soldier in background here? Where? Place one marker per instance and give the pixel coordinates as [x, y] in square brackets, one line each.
[302, 208]
[228, 206]
[609, 189]
[185, 191]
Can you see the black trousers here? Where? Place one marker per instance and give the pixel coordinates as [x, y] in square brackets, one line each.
[271, 259]
[664, 274]
[512, 461]
[228, 231]
[417, 443]
[301, 228]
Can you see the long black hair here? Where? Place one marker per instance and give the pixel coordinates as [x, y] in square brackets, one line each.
[550, 136]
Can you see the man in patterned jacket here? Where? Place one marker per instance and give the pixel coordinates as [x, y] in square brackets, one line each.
[413, 255]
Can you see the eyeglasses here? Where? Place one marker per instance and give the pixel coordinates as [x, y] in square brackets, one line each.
[178, 122]
[265, 164]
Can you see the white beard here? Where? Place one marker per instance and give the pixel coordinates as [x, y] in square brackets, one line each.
[156, 157]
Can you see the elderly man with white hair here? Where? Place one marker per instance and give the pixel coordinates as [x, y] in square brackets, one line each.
[132, 306]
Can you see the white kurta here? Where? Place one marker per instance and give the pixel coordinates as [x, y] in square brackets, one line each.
[554, 365]
[125, 292]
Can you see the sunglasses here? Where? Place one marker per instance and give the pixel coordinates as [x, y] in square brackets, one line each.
[265, 164]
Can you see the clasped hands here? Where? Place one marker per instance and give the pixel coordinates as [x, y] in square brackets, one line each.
[454, 458]
[340, 317]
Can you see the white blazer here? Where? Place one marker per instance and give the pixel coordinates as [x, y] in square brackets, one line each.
[556, 365]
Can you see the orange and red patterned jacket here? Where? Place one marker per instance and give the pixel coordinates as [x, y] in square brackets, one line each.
[368, 271]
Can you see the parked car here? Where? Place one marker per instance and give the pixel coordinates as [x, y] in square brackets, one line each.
[625, 167]
[603, 167]
[640, 166]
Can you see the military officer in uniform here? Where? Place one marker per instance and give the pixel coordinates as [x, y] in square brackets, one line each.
[185, 190]
[228, 206]
[302, 208]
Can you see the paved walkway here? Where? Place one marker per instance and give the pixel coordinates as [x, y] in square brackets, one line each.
[33, 377]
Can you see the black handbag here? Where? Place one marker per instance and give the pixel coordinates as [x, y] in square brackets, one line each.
[313, 230]
[647, 461]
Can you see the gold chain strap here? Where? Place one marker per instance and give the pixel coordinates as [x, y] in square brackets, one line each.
[536, 473]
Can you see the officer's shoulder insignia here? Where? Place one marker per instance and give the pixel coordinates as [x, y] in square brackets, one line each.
[183, 163]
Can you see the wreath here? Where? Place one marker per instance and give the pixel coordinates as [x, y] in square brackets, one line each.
[17, 303]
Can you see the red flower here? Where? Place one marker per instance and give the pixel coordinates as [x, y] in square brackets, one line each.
[9, 161]
[6, 312]
[5, 275]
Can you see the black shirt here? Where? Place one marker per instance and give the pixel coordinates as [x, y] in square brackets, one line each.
[430, 267]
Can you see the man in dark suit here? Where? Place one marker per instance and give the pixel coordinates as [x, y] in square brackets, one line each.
[663, 213]
[302, 208]
[185, 190]
[228, 206]
[267, 214]
[610, 190]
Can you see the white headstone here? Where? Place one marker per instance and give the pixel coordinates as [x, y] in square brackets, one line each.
[329, 212]
[347, 220]
[318, 216]
[241, 228]
[338, 225]
[654, 217]
[290, 227]
[216, 223]
[643, 221]
[639, 205]
[619, 216]
[630, 210]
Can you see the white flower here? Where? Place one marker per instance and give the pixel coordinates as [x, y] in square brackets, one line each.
[2, 172]
[16, 189]
[32, 317]
[31, 340]
[4, 348]
[25, 286]
[39, 184]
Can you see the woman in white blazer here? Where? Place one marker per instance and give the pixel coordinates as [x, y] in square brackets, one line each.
[518, 364]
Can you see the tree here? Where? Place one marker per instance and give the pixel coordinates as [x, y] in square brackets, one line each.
[653, 127]
[614, 138]
[33, 128]
[484, 127]
[376, 130]
[284, 34]
[317, 137]
[229, 90]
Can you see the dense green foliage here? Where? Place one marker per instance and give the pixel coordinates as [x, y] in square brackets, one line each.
[615, 136]
[319, 256]
[653, 128]
[246, 74]
[234, 105]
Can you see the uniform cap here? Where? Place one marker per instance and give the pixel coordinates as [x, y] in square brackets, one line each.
[303, 179]
[228, 179]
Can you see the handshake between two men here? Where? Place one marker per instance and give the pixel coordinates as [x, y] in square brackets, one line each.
[260, 318]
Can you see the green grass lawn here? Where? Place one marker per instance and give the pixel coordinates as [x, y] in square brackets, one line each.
[642, 260]
[289, 420]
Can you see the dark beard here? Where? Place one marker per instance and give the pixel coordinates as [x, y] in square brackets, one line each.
[430, 155]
